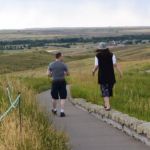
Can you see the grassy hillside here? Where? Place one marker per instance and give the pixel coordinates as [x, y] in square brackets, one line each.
[131, 93]
[27, 72]
[130, 53]
[12, 62]
[23, 61]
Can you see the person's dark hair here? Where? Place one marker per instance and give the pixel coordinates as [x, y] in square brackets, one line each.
[58, 55]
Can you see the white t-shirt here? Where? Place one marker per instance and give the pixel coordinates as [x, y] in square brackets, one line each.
[113, 59]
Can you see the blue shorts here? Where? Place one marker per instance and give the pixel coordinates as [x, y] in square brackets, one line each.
[107, 90]
[58, 90]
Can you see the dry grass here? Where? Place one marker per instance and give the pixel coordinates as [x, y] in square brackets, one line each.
[37, 133]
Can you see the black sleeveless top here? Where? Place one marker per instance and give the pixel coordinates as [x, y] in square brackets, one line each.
[106, 73]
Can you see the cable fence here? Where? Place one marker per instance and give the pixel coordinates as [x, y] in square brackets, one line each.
[14, 103]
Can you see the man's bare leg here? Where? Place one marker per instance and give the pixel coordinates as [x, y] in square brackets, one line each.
[54, 102]
[62, 105]
[107, 102]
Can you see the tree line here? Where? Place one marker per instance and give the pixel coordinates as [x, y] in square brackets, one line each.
[66, 42]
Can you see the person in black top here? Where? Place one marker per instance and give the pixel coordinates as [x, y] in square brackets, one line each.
[105, 61]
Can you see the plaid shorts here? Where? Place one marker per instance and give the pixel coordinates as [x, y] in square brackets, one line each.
[107, 90]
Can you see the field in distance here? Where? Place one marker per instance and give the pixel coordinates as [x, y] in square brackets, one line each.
[51, 33]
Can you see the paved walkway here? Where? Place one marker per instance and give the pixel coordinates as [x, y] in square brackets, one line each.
[88, 133]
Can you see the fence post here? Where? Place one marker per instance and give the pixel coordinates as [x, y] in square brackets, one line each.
[20, 115]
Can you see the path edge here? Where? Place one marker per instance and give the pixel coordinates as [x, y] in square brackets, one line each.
[138, 129]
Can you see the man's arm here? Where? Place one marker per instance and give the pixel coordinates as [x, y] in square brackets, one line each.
[49, 72]
[95, 67]
[66, 71]
[94, 70]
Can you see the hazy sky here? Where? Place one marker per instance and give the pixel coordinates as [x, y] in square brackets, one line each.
[73, 13]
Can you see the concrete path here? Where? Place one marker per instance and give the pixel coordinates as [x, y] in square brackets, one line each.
[88, 133]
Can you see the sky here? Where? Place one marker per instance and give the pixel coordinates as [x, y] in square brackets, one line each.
[21, 14]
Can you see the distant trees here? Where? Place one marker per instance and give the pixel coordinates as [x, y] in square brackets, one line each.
[67, 42]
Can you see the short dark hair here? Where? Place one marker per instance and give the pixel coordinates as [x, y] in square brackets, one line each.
[58, 55]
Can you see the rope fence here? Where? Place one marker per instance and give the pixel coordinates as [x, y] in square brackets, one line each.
[13, 103]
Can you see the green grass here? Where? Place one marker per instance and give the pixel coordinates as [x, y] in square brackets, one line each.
[37, 84]
[131, 93]
[13, 62]
[23, 61]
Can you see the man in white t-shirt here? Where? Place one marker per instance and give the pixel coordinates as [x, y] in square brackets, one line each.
[105, 61]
